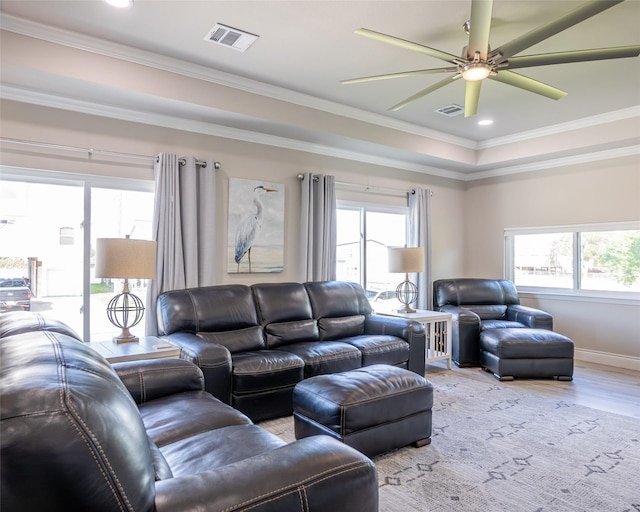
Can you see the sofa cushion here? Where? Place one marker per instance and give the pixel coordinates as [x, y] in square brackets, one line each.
[265, 370]
[284, 333]
[488, 312]
[500, 324]
[206, 309]
[239, 340]
[326, 356]
[183, 415]
[461, 292]
[219, 448]
[281, 302]
[341, 327]
[330, 299]
[380, 349]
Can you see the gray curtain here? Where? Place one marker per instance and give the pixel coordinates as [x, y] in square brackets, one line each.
[318, 227]
[183, 226]
[420, 236]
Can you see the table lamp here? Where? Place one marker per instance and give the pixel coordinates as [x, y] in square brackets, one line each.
[125, 258]
[405, 260]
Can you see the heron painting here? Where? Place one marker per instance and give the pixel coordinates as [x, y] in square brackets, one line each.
[256, 226]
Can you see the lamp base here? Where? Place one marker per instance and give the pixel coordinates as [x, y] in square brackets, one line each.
[125, 339]
[405, 309]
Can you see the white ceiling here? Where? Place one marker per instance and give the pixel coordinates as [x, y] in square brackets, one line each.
[306, 47]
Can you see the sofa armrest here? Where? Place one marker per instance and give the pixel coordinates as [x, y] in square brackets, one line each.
[212, 358]
[154, 378]
[409, 330]
[531, 317]
[315, 474]
[465, 339]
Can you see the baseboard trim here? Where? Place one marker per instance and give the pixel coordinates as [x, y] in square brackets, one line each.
[619, 361]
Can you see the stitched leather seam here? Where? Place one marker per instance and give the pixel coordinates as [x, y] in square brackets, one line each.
[283, 491]
[364, 401]
[75, 418]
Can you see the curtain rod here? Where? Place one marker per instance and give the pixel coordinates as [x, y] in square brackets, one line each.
[369, 187]
[90, 151]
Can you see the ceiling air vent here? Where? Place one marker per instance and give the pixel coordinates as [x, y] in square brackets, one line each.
[230, 37]
[451, 110]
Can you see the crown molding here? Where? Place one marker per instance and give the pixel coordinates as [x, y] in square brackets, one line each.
[582, 158]
[585, 122]
[137, 56]
[172, 122]
[177, 123]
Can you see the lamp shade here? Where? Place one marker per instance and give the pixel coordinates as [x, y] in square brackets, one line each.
[125, 258]
[406, 259]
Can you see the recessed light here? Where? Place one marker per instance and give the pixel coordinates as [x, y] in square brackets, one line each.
[120, 3]
[485, 122]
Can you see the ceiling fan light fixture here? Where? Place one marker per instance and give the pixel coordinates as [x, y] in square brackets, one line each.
[475, 71]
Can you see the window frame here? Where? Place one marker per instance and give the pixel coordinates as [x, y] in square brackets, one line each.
[87, 182]
[576, 292]
[364, 207]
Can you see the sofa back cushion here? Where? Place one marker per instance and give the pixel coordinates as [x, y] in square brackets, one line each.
[474, 292]
[488, 312]
[18, 322]
[285, 312]
[210, 312]
[71, 435]
[339, 307]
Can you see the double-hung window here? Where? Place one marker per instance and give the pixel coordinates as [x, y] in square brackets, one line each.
[590, 259]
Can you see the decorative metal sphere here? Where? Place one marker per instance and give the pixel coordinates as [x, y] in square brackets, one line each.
[407, 292]
[125, 310]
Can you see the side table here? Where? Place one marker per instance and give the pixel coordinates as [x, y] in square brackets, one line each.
[438, 327]
[147, 347]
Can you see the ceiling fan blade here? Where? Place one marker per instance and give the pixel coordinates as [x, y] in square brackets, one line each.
[546, 59]
[398, 75]
[480, 26]
[523, 42]
[528, 84]
[422, 93]
[472, 97]
[405, 44]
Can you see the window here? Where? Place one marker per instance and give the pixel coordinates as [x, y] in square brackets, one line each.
[596, 259]
[43, 238]
[363, 234]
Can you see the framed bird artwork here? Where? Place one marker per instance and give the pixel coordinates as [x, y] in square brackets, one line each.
[255, 231]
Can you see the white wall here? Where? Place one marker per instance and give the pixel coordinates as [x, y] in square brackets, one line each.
[606, 191]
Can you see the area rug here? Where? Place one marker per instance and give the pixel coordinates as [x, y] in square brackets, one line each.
[497, 448]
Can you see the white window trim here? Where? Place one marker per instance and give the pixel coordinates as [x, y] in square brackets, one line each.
[575, 293]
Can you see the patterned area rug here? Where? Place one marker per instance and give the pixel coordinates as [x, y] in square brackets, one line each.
[497, 448]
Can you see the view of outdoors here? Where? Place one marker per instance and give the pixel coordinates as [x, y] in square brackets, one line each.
[608, 260]
[363, 238]
[42, 237]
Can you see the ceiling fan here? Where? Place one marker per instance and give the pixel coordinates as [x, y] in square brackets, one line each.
[479, 61]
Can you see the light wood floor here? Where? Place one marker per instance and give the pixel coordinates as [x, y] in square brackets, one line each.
[594, 385]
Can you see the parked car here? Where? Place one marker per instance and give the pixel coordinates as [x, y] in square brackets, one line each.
[15, 294]
[384, 299]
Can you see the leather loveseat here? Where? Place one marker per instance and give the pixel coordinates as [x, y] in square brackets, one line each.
[78, 434]
[254, 343]
[477, 305]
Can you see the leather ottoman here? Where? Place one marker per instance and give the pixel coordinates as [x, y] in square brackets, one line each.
[373, 409]
[529, 353]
